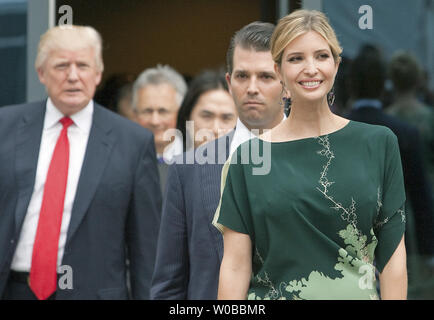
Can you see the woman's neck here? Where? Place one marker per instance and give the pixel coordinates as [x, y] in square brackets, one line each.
[312, 119]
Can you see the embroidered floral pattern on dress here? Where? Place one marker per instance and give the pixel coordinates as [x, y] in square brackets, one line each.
[357, 257]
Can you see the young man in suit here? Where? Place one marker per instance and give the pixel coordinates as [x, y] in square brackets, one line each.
[79, 185]
[190, 248]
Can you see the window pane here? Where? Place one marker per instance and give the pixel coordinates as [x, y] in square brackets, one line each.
[13, 45]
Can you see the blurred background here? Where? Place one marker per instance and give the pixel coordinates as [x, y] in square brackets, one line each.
[193, 35]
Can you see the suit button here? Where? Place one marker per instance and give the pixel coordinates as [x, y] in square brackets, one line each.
[12, 241]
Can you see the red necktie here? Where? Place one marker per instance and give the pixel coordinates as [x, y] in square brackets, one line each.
[43, 273]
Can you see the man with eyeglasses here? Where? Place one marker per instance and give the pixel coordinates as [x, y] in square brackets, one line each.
[157, 95]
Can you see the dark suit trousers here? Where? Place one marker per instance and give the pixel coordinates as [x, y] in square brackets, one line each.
[20, 290]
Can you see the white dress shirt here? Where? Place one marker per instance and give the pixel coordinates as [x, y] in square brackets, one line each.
[78, 135]
[242, 134]
[172, 150]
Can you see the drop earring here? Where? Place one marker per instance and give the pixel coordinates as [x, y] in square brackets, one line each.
[283, 95]
[286, 105]
[331, 97]
[285, 102]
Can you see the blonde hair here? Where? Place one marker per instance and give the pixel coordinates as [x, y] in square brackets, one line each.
[69, 37]
[300, 22]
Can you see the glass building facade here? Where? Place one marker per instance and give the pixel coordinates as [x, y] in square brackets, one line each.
[13, 51]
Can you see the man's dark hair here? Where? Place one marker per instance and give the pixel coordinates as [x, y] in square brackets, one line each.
[405, 71]
[256, 36]
[367, 73]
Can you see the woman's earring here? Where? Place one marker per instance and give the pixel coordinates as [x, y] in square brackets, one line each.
[285, 102]
[287, 105]
[283, 94]
[331, 97]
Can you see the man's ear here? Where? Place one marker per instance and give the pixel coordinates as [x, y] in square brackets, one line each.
[41, 75]
[228, 81]
[98, 78]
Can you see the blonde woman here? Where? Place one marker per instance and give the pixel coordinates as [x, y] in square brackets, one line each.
[331, 209]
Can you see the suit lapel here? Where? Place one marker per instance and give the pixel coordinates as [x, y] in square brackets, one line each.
[97, 154]
[210, 177]
[27, 152]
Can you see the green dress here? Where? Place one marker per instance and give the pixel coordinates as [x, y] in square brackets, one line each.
[322, 214]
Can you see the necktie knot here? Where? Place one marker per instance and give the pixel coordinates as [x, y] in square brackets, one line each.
[66, 122]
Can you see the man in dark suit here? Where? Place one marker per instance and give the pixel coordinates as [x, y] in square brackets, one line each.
[157, 95]
[367, 77]
[79, 188]
[190, 248]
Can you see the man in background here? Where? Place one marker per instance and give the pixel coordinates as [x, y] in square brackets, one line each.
[366, 79]
[157, 95]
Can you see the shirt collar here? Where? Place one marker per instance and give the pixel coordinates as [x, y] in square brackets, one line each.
[173, 149]
[242, 134]
[82, 119]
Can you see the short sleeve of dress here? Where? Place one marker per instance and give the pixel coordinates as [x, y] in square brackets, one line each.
[233, 211]
[389, 226]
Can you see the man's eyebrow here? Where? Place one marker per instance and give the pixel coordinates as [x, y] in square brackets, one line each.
[267, 73]
[240, 71]
[255, 72]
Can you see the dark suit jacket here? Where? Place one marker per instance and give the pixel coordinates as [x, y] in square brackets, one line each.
[116, 211]
[190, 248]
[415, 177]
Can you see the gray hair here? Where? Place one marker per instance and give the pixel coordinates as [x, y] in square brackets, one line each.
[69, 37]
[159, 75]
